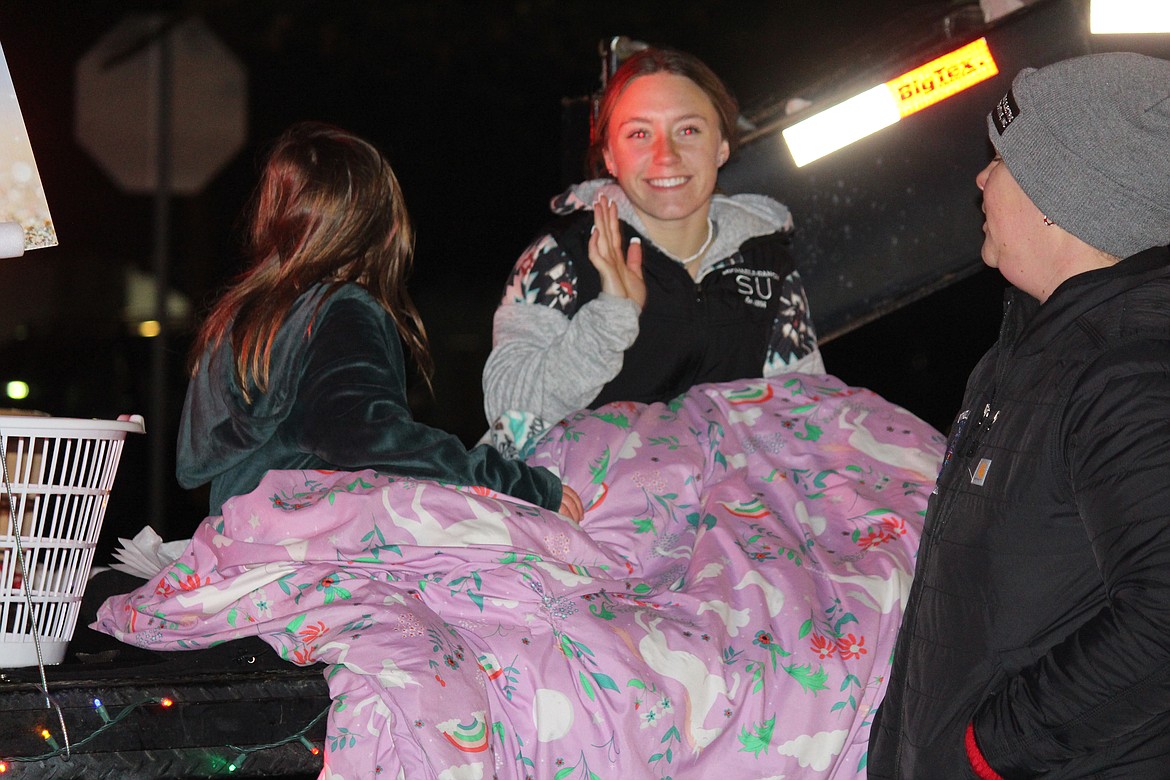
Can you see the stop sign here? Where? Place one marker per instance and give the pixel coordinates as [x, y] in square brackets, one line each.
[119, 83]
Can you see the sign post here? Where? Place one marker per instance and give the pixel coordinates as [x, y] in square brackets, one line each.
[161, 106]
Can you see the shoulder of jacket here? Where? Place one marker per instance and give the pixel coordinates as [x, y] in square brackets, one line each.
[345, 307]
[760, 211]
[568, 232]
[580, 196]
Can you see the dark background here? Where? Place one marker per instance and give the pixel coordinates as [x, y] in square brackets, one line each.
[468, 101]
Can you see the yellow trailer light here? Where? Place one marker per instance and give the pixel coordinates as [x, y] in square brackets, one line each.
[883, 105]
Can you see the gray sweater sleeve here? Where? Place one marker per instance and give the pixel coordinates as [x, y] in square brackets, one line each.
[550, 365]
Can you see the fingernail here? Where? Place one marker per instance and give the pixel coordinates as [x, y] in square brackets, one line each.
[635, 240]
[593, 229]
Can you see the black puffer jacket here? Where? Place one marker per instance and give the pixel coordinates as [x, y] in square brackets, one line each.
[1041, 606]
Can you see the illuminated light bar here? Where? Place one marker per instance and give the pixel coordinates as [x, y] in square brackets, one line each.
[811, 139]
[1108, 17]
[883, 105]
[939, 79]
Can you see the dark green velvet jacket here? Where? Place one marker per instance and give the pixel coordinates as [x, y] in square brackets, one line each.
[336, 400]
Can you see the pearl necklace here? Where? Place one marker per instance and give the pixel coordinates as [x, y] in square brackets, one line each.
[706, 245]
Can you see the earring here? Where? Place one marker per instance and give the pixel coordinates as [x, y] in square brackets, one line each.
[1047, 221]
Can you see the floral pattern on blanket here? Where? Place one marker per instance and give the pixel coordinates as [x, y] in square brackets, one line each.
[727, 608]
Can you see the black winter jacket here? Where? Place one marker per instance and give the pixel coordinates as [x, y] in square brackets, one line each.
[1040, 609]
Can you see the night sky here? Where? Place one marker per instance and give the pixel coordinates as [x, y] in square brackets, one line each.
[465, 98]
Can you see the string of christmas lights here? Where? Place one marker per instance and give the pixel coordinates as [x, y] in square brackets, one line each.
[109, 721]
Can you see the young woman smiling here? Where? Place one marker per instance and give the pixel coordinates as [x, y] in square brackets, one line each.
[647, 282]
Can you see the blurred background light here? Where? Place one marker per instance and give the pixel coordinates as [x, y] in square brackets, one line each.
[148, 329]
[1129, 16]
[16, 390]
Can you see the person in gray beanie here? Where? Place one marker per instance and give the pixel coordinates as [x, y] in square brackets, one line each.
[1035, 641]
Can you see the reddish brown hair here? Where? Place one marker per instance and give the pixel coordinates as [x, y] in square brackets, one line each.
[328, 209]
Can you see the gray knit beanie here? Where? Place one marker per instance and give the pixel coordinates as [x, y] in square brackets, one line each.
[1088, 140]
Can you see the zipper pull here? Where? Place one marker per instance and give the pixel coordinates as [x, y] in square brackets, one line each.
[976, 436]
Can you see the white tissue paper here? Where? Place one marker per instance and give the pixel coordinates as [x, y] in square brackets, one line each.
[146, 555]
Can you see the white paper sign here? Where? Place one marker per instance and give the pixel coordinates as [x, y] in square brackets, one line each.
[22, 199]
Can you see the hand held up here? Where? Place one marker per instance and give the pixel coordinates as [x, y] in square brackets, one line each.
[621, 272]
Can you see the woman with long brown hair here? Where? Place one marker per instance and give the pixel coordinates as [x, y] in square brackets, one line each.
[300, 363]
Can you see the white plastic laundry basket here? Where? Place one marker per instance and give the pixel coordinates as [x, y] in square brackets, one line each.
[59, 475]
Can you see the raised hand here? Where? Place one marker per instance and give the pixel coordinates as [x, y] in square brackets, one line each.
[621, 272]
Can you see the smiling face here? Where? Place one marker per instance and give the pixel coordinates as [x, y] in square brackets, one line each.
[664, 147]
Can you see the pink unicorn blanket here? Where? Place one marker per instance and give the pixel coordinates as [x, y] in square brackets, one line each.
[727, 608]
